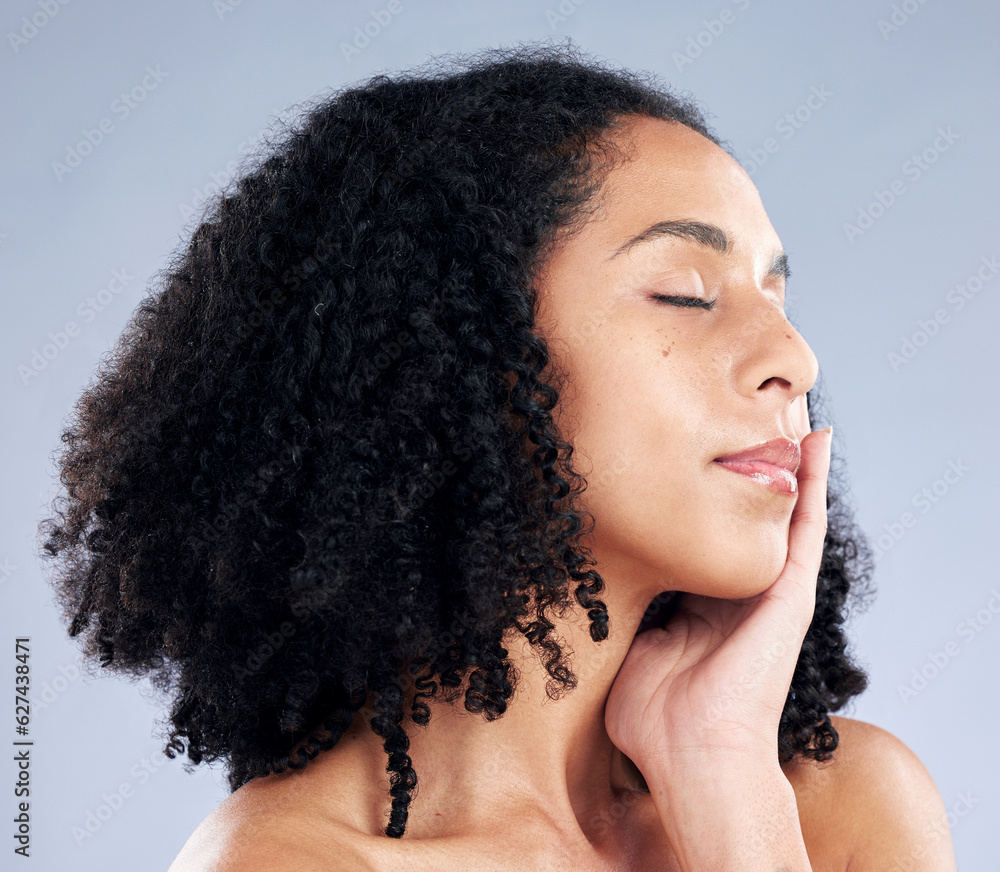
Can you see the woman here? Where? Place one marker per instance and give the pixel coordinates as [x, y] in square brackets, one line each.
[465, 343]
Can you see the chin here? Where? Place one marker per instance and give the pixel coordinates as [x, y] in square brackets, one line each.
[737, 573]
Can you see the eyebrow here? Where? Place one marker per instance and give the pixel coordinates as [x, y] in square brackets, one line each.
[704, 234]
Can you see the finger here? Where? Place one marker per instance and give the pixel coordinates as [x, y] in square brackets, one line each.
[802, 418]
[807, 530]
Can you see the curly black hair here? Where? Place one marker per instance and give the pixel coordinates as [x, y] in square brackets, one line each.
[303, 468]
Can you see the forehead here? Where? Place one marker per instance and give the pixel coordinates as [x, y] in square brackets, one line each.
[669, 171]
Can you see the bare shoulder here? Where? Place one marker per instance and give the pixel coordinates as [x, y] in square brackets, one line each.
[256, 830]
[872, 805]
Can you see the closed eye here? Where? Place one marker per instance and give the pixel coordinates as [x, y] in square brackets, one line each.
[686, 302]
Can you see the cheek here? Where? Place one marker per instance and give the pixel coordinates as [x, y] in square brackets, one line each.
[643, 466]
[644, 427]
[639, 430]
[664, 511]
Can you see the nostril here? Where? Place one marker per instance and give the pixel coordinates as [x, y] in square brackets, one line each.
[766, 383]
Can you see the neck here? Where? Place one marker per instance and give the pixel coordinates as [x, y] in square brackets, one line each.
[542, 760]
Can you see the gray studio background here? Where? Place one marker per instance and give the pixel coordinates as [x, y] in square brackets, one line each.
[891, 128]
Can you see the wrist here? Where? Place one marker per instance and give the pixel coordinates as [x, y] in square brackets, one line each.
[732, 815]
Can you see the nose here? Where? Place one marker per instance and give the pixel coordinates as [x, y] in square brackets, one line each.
[775, 356]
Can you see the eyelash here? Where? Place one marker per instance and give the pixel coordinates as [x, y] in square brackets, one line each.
[685, 302]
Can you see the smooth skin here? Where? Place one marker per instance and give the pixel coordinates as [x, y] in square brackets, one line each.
[657, 390]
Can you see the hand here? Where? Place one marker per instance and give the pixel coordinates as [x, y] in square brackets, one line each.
[715, 679]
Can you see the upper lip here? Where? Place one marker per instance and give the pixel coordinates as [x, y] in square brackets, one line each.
[779, 452]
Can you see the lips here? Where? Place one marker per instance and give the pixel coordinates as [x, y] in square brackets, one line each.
[777, 452]
[772, 463]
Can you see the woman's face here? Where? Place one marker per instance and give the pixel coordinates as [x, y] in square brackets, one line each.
[657, 391]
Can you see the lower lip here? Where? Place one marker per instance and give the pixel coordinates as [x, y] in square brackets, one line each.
[775, 477]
